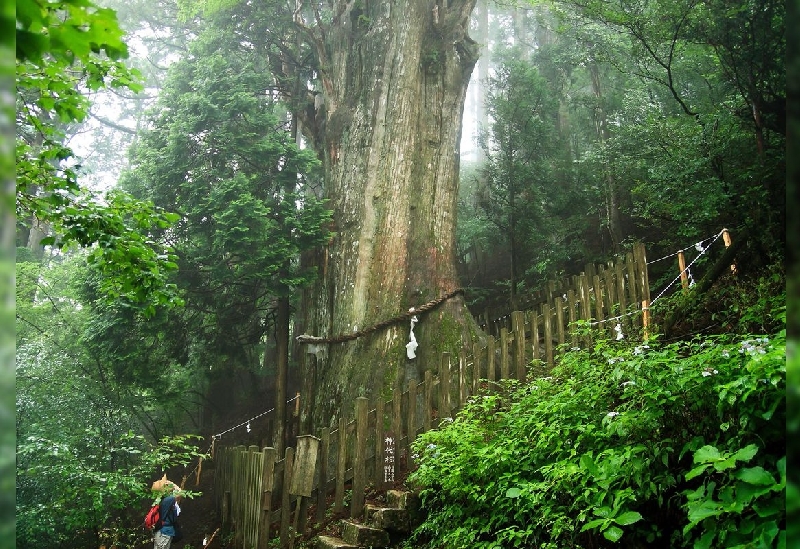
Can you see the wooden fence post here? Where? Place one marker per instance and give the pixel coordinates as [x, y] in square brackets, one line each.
[518, 327]
[536, 349]
[380, 448]
[646, 318]
[411, 429]
[571, 317]
[623, 304]
[285, 497]
[397, 420]
[428, 408]
[726, 238]
[633, 295]
[253, 501]
[462, 378]
[322, 487]
[559, 302]
[359, 472]
[547, 317]
[610, 291]
[504, 373]
[444, 387]
[641, 261]
[302, 481]
[490, 362]
[341, 466]
[267, 485]
[682, 270]
[598, 299]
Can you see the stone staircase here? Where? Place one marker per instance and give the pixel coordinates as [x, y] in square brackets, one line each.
[382, 526]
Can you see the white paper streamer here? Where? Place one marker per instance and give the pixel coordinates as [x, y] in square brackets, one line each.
[412, 345]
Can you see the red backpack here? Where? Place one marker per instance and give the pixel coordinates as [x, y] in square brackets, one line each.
[152, 520]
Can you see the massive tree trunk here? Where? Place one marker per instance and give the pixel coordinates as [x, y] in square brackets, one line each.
[394, 79]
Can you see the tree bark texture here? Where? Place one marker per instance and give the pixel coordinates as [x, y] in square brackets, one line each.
[394, 78]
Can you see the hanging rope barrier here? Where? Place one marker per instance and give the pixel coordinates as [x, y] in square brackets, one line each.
[309, 339]
[702, 251]
[699, 246]
[247, 422]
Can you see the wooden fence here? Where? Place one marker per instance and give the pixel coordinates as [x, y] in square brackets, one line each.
[262, 496]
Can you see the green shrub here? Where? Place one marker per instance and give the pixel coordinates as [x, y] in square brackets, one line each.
[671, 445]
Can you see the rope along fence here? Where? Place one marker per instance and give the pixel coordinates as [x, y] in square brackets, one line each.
[257, 491]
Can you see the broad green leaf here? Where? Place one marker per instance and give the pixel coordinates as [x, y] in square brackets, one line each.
[594, 524]
[706, 454]
[613, 533]
[755, 475]
[629, 517]
[696, 471]
[746, 453]
[703, 511]
[513, 492]
[704, 542]
[587, 462]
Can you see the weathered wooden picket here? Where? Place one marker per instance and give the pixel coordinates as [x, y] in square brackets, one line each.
[263, 496]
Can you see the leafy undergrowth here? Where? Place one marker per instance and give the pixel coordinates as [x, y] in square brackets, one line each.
[637, 445]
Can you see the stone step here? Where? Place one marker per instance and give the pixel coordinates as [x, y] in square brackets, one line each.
[401, 499]
[391, 519]
[409, 501]
[329, 542]
[364, 536]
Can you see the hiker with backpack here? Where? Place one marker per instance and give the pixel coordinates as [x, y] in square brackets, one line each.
[163, 517]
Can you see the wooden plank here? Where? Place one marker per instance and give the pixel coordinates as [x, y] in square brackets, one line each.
[253, 497]
[305, 465]
[380, 436]
[633, 299]
[598, 299]
[609, 291]
[444, 386]
[559, 305]
[491, 373]
[462, 379]
[682, 271]
[286, 498]
[359, 470]
[267, 486]
[504, 361]
[518, 328]
[641, 261]
[547, 317]
[397, 417]
[478, 363]
[322, 488]
[411, 429]
[726, 238]
[586, 304]
[572, 303]
[341, 466]
[621, 297]
[427, 409]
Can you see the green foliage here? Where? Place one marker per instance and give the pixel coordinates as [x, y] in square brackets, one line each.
[218, 150]
[642, 444]
[92, 491]
[80, 467]
[64, 49]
